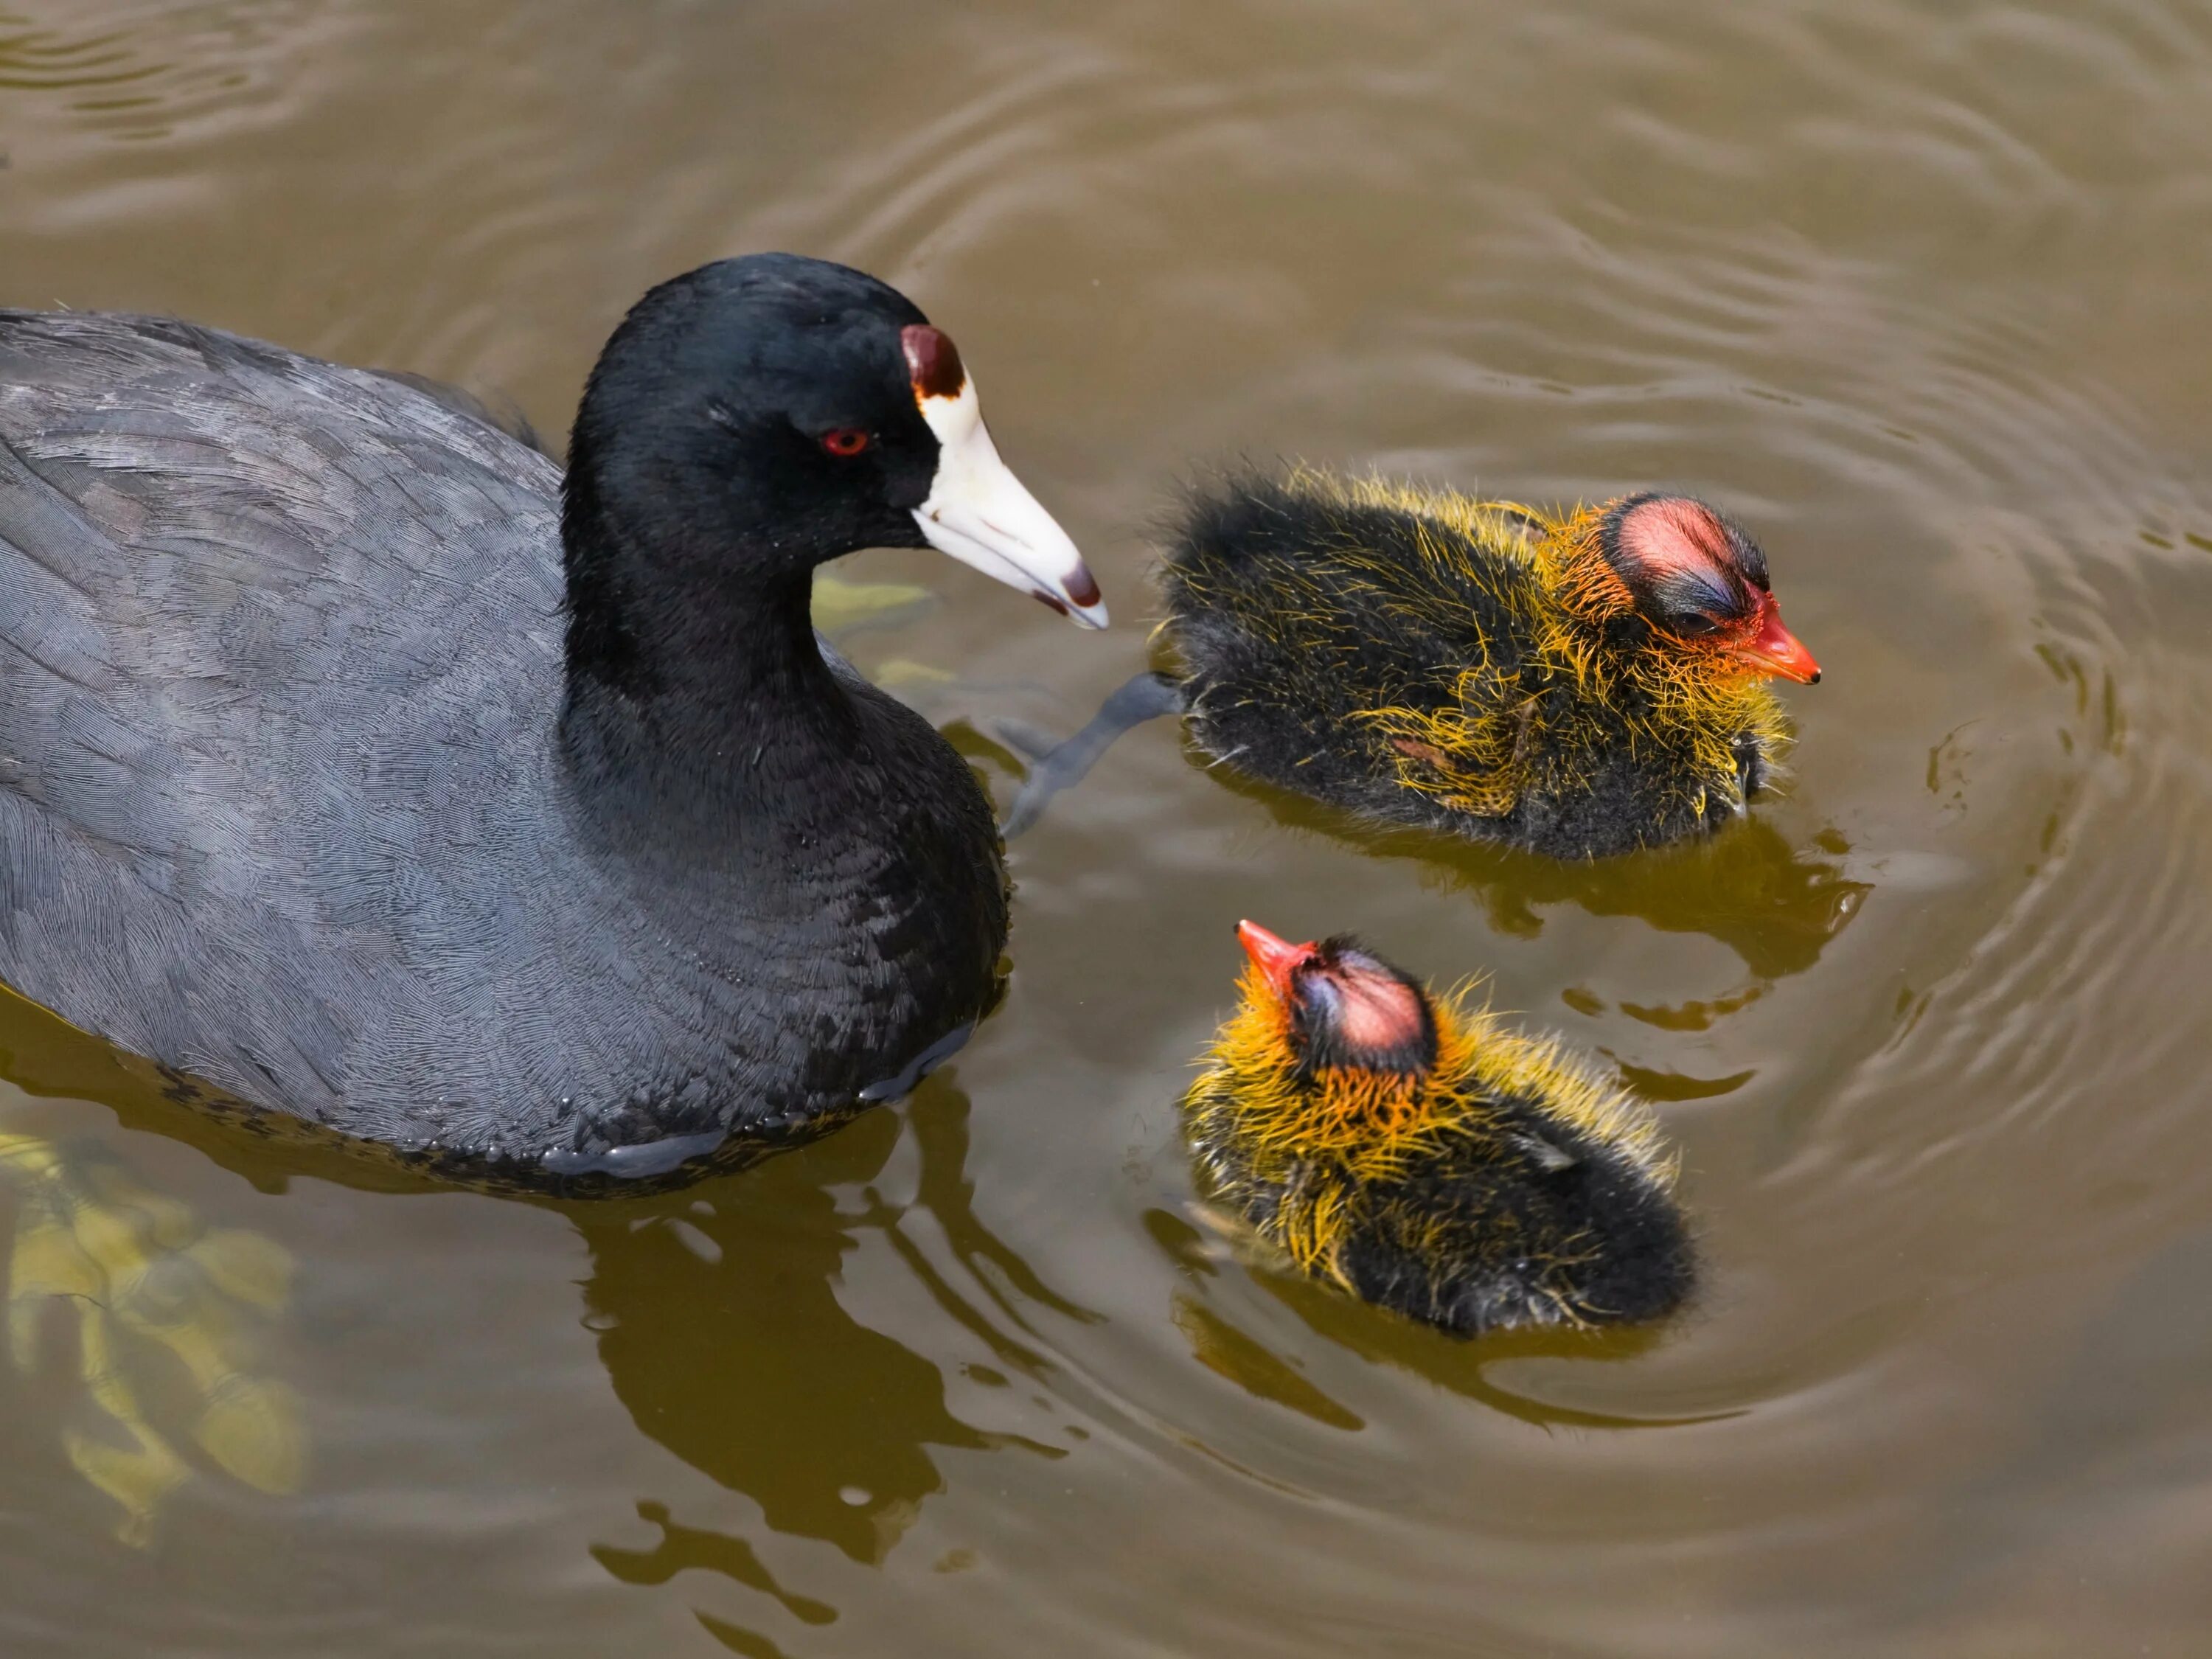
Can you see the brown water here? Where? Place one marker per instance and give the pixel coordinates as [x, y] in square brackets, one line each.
[1919, 288]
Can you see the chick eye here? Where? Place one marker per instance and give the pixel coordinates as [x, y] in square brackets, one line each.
[845, 440]
[1696, 625]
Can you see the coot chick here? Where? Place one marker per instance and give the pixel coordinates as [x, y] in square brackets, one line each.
[1407, 1148]
[1578, 684]
[356, 764]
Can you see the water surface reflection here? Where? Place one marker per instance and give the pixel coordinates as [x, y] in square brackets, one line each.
[1222, 1346]
[721, 1330]
[1775, 904]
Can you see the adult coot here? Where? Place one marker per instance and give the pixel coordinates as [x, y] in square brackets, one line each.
[355, 762]
[1411, 1149]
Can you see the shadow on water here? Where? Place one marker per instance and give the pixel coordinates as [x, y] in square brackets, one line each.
[1775, 905]
[721, 1330]
[1377, 1337]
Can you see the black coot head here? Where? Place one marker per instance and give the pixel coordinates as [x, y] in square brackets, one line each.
[759, 415]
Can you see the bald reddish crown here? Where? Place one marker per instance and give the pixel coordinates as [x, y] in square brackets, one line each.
[1689, 569]
[1347, 1006]
[1698, 578]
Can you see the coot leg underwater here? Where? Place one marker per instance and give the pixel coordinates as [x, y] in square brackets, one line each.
[1146, 697]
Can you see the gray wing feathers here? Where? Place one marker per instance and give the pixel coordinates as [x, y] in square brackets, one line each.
[262, 620]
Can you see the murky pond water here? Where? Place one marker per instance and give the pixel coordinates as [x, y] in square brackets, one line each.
[1917, 289]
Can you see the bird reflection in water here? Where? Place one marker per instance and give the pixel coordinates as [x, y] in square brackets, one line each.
[716, 1309]
[1775, 904]
[721, 1330]
[1221, 1346]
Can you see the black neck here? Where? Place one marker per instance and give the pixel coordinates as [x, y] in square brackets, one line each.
[697, 699]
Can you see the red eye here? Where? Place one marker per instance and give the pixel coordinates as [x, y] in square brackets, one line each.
[845, 440]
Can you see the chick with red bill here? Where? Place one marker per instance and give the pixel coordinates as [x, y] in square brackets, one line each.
[1578, 683]
[1405, 1146]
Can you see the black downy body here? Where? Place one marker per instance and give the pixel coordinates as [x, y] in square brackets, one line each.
[1296, 611]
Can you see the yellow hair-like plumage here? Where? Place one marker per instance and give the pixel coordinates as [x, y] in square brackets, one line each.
[1474, 737]
[1319, 1143]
